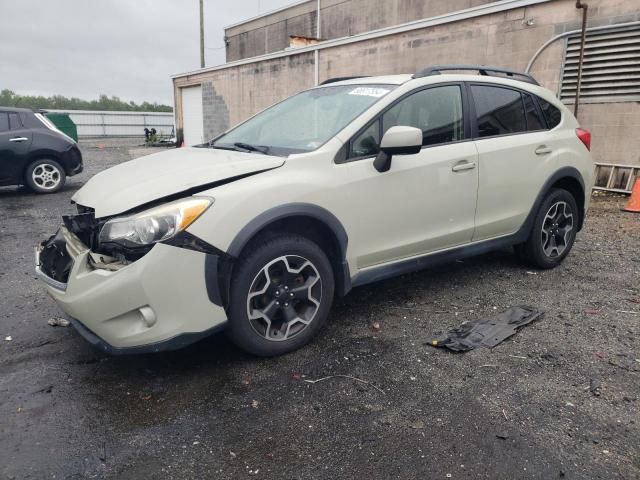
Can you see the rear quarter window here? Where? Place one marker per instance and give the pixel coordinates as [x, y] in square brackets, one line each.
[552, 114]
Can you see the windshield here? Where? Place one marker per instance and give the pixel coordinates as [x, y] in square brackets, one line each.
[303, 122]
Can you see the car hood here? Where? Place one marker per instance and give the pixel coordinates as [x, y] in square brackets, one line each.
[165, 174]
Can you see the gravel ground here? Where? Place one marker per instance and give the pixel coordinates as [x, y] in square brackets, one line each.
[558, 400]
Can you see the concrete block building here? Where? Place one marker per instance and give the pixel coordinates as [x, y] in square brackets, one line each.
[375, 37]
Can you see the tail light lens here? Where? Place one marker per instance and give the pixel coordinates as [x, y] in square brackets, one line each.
[585, 137]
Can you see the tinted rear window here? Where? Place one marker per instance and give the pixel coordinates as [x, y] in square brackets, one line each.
[499, 111]
[551, 114]
[4, 122]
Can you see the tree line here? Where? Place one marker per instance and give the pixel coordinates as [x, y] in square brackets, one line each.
[9, 98]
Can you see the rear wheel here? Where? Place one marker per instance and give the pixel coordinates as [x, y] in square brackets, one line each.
[45, 176]
[281, 294]
[553, 232]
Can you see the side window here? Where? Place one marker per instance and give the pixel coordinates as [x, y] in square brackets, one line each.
[534, 122]
[499, 110]
[366, 143]
[4, 122]
[551, 114]
[436, 111]
[14, 121]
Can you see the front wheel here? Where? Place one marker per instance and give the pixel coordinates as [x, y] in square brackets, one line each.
[45, 176]
[553, 232]
[281, 293]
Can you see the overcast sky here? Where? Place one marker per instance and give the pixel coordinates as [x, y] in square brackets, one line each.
[126, 48]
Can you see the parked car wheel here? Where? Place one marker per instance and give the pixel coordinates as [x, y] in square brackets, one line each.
[45, 176]
[553, 233]
[281, 294]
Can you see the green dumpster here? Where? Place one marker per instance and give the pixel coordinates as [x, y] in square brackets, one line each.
[64, 124]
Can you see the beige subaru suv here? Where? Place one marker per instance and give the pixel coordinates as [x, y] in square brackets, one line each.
[348, 183]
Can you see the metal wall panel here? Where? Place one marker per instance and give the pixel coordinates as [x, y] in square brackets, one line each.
[611, 67]
[93, 123]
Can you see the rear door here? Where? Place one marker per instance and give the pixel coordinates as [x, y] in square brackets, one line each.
[515, 157]
[15, 141]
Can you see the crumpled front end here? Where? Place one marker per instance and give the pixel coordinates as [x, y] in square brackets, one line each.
[146, 302]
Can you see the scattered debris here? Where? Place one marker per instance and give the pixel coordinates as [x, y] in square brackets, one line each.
[594, 387]
[346, 376]
[569, 404]
[418, 424]
[632, 312]
[233, 454]
[59, 322]
[502, 436]
[521, 357]
[591, 311]
[532, 273]
[375, 327]
[8, 338]
[255, 403]
[296, 376]
[505, 415]
[487, 332]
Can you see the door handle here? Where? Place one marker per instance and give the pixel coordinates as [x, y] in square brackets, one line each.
[543, 150]
[462, 166]
[18, 139]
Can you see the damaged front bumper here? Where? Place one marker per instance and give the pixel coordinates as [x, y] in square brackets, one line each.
[158, 302]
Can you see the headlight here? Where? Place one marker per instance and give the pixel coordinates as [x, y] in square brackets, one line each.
[154, 225]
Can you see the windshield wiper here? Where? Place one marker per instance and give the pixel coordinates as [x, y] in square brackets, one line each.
[252, 148]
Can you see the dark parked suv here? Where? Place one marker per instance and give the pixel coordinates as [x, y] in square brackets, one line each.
[34, 152]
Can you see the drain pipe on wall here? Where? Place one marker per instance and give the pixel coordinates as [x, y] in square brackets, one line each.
[583, 35]
[316, 53]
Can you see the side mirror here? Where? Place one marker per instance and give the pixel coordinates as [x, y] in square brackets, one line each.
[397, 141]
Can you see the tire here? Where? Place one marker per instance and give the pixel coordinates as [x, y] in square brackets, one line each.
[553, 232]
[280, 296]
[45, 176]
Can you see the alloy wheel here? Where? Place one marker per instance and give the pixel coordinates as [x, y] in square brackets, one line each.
[46, 176]
[557, 227]
[284, 297]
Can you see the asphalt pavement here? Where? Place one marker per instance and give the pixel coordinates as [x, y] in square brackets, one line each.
[557, 400]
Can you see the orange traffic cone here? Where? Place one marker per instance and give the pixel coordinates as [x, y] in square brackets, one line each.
[633, 205]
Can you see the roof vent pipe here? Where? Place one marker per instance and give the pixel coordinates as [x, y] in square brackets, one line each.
[583, 34]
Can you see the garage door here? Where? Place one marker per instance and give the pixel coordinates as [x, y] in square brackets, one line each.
[192, 115]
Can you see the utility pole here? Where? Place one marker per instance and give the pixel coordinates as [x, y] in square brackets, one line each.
[201, 34]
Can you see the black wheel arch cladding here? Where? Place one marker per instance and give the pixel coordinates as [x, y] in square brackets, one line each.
[218, 269]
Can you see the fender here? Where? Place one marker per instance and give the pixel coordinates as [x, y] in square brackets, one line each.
[564, 172]
[284, 211]
[218, 267]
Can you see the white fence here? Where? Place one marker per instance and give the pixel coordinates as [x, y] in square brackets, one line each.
[93, 123]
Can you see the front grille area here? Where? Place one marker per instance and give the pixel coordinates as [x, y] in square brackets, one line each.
[84, 226]
[55, 261]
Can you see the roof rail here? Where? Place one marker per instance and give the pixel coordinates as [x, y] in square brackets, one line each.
[340, 79]
[482, 70]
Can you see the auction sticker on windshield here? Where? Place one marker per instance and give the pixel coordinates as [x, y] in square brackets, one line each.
[369, 91]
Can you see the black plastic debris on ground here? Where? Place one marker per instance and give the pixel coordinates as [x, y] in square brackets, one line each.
[487, 332]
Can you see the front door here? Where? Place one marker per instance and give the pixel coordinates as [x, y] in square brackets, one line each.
[15, 141]
[425, 202]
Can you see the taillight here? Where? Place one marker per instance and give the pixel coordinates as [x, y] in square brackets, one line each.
[585, 137]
